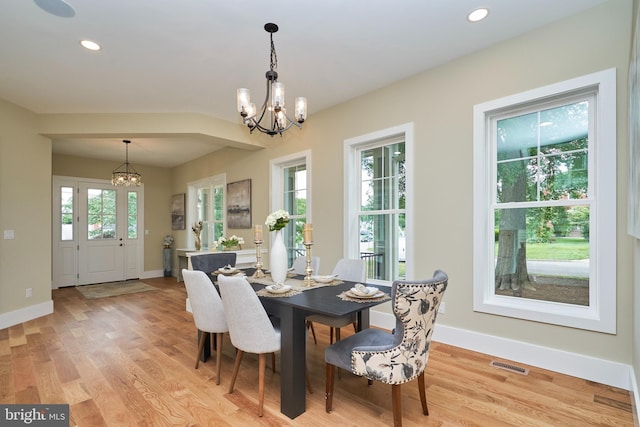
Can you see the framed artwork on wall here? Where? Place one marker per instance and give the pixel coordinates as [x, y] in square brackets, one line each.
[177, 212]
[239, 204]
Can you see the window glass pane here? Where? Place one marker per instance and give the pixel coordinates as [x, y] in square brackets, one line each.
[543, 253]
[132, 215]
[517, 180]
[218, 203]
[382, 220]
[294, 200]
[66, 210]
[543, 155]
[101, 218]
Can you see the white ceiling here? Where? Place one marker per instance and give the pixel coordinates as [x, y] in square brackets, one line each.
[190, 56]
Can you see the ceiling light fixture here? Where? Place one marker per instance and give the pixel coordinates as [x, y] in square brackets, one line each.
[478, 14]
[272, 110]
[125, 175]
[88, 44]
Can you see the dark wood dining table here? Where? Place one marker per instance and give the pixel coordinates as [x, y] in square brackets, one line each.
[292, 312]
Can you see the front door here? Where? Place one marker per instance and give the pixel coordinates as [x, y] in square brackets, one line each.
[106, 236]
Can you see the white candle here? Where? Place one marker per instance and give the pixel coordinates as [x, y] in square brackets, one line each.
[257, 233]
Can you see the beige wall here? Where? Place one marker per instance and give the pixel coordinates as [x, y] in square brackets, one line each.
[157, 198]
[439, 102]
[25, 207]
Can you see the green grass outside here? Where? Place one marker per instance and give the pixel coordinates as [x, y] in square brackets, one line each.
[563, 248]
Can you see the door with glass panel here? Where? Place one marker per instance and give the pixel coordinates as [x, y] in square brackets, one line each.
[96, 233]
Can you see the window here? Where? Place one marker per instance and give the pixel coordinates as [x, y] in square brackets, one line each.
[544, 204]
[66, 213]
[376, 197]
[101, 208]
[291, 176]
[206, 204]
[132, 214]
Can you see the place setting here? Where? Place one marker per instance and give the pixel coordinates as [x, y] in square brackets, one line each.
[362, 293]
[278, 290]
[228, 270]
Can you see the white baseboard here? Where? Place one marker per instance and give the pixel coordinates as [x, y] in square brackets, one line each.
[586, 367]
[152, 274]
[25, 314]
[635, 398]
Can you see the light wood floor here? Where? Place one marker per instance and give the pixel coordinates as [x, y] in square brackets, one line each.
[129, 360]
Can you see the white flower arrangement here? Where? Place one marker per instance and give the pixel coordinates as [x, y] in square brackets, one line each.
[277, 220]
[168, 241]
[229, 242]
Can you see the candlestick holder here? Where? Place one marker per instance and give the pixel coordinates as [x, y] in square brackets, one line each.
[258, 274]
[308, 282]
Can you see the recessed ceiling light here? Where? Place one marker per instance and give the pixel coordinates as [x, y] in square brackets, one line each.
[88, 44]
[478, 14]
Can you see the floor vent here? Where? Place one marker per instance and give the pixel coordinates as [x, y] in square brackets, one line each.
[510, 368]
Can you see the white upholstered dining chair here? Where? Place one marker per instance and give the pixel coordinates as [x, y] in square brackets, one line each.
[300, 263]
[398, 357]
[250, 327]
[208, 313]
[353, 270]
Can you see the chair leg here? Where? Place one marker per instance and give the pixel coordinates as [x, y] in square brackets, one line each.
[355, 327]
[313, 331]
[397, 405]
[338, 339]
[203, 339]
[330, 335]
[329, 387]
[262, 361]
[306, 378]
[423, 394]
[218, 356]
[236, 368]
[273, 362]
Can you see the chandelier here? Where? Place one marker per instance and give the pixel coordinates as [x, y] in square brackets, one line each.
[272, 117]
[125, 175]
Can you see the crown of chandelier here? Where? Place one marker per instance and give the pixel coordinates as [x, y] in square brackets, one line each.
[272, 117]
[125, 175]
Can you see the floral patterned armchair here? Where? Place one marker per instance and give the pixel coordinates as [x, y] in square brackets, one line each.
[398, 357]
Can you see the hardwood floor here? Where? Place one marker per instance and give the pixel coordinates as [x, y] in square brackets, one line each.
[129, 360]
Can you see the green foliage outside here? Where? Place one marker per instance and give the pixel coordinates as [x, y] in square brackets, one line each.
[562, 249]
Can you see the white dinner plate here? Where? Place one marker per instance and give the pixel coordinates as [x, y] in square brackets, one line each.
[278, 290]
[228, 271]
[371, 291]
[363, 296]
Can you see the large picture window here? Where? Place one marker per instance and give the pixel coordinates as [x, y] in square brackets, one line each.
[544, 204]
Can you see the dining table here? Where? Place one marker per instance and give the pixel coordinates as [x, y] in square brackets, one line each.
[293, 311]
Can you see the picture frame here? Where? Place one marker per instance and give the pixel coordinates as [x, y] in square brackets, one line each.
[177, 212]
[239, 204]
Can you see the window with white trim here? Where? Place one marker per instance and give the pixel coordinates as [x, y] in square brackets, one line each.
[206, 204]
[376, 200]
[544, 204]
[291, 184]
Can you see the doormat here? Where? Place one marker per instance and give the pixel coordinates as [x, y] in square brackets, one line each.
[111, 289]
